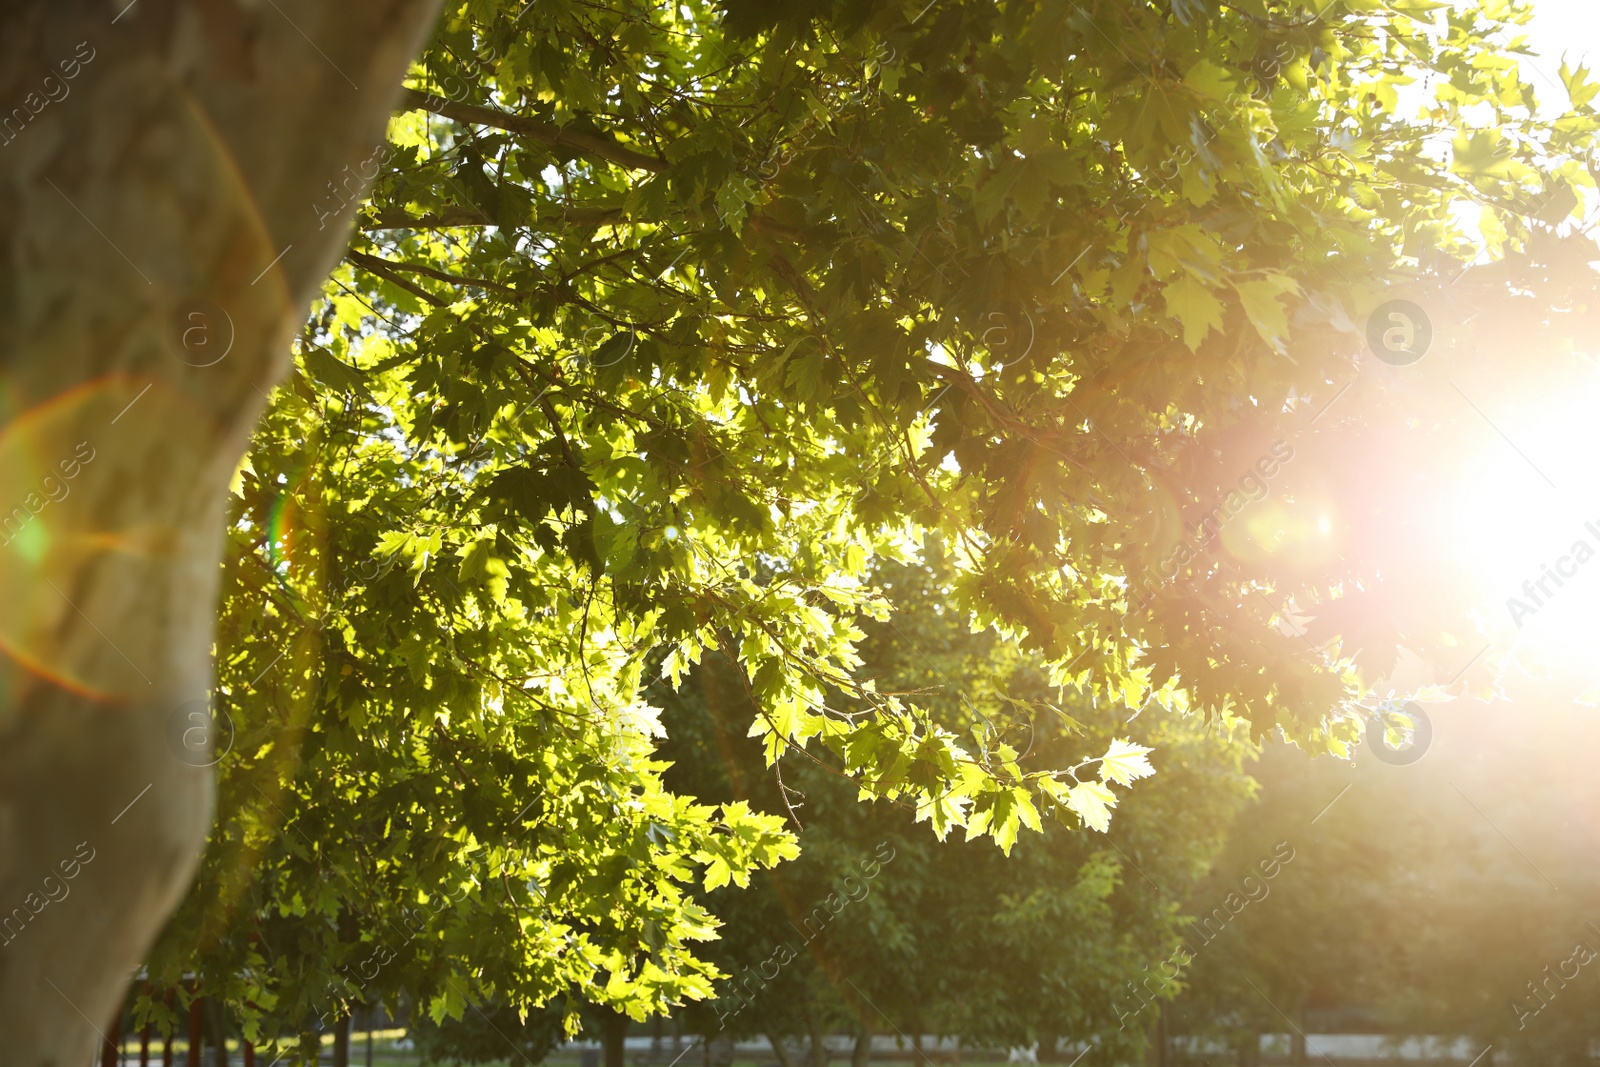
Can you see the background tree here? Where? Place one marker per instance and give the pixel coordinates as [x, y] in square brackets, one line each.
[1328, 933]
[1423, 899]
[879, 929]
[500, 1033]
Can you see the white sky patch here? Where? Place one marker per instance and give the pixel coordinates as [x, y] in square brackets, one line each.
[1560, 27]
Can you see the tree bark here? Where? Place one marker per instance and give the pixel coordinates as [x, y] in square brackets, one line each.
[196, 1033]
[613, 1039]
[341, 1042]
[164, 224]
[111, 1047]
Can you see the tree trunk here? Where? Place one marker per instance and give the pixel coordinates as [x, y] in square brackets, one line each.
[341, 1042]
[217, 1029]
[111, 1047]
[196, 1033]
[861, 1055]
[1158, 1054]
[1250, 1050]
[819, 1040]
[168, 1050]
[162, 169]
[613, 1038]
[779, 1053]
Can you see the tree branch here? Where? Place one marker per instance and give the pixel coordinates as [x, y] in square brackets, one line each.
[384, 269]
[452, 215]
[996, 410]
[593, 144]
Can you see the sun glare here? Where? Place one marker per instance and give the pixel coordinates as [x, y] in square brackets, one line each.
[1519, 520]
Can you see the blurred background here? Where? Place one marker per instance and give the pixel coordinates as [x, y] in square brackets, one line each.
[1437, 900]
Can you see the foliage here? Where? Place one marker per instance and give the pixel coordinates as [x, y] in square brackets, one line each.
[877, 927]
[798, 285]
[421, 799]
[496, 1034]
[669, 326]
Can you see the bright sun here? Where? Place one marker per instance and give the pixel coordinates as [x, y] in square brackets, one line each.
[1519, 519]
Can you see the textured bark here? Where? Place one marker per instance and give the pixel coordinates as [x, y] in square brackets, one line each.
[165, 168]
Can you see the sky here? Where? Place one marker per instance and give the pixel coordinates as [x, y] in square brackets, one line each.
[1562, 26]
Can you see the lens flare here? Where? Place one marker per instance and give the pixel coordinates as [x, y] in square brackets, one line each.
[65, 465]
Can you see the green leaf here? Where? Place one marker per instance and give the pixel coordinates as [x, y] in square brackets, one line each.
[1124, 762]
[1195, 307]
[1092, 802]
[1580, 90]
[1477, 154]
[1211, 81]
[1262, 298]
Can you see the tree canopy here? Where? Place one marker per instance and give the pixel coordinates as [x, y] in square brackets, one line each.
[671, 328]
